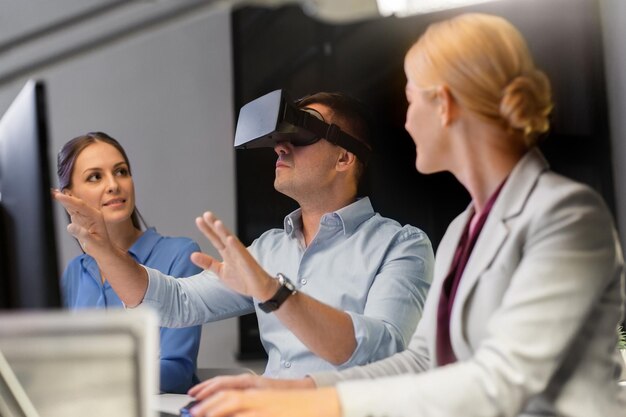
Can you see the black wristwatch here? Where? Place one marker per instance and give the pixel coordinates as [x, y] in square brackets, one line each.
[286, 289]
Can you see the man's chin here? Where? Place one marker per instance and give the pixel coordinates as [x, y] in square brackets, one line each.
[279, 186]
[284, 188]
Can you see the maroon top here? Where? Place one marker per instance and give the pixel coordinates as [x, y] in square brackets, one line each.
[445, 355]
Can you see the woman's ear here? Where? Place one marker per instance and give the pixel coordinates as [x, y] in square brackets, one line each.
[447, 106]
[66, 191]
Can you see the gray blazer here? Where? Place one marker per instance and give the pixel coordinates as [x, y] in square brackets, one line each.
[534, 319]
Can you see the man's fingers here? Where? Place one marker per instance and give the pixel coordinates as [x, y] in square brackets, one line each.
[217, 233]
[205, 225]
[221, 230]
[205, 261]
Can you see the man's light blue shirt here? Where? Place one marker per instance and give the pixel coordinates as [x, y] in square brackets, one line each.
[369, 266]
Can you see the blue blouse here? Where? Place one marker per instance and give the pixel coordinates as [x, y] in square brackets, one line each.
[83, 288]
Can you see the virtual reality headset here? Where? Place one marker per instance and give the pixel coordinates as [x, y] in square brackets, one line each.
[271, 119]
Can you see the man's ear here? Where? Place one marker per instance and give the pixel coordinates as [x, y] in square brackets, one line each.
[447, 106]
[346, 160]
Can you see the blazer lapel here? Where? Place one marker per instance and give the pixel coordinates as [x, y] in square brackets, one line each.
[510, 204]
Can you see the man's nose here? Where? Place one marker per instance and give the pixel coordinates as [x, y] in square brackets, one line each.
[282, 148]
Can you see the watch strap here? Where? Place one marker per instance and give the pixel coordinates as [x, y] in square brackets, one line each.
[285, 290]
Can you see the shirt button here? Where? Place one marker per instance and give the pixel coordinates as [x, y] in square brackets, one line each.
[303, 281]
[287, 364]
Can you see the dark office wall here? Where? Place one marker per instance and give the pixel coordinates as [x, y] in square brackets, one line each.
[283, 48]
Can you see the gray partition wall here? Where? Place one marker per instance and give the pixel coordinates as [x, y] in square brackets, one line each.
[158, 78]
[614, 35]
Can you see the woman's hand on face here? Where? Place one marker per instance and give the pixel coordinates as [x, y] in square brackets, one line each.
[87, 224]
[212, 386]
[322, 402]
[238, 269]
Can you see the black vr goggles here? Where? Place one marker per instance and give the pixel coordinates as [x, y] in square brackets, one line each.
[270, 119]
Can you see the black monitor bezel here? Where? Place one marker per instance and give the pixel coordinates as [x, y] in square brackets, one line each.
[30, 274]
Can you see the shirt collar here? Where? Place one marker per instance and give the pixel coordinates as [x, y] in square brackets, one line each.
[293, 221]
[140, 250]
[349, 217]
[143, 246]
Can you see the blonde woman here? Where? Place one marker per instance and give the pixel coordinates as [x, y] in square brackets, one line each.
[528, 287]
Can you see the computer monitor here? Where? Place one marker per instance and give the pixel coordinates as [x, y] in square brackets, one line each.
[28, 261]
[96, 363]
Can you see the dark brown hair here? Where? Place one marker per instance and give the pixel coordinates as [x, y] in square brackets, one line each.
[348, 113]
[66, 159]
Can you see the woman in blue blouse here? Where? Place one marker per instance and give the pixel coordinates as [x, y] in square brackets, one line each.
[95, 168]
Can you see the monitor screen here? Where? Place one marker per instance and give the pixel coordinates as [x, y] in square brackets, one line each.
[28, 261]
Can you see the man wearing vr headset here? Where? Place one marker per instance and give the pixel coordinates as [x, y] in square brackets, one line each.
[339, 286]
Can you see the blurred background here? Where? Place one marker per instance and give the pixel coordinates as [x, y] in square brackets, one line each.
[167, 78]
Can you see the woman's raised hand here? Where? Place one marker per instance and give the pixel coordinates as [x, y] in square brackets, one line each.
[87, 224]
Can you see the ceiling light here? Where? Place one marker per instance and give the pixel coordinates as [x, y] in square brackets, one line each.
[408, 7]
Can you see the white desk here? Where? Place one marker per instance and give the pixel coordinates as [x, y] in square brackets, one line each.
[170, 403]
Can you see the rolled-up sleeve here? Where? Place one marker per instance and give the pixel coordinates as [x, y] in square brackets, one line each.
[395, 300]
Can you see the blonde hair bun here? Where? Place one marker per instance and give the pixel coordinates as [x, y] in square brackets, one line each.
[526, 104]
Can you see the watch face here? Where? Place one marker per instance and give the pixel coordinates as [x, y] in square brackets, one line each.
[281, 279]
[285, 282]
